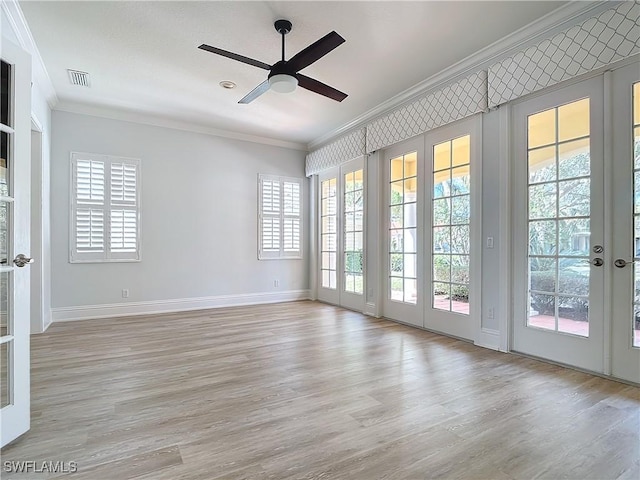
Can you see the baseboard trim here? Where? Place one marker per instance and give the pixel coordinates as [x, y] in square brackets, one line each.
[488, 338]
[87, 312]
[371, 309]
[49, 323]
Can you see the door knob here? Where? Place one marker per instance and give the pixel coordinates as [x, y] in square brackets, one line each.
[596, 262]
[620, 263]
[22, 260]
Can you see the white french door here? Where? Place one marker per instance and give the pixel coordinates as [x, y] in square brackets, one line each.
[351, 240]
[341, 235]
[15, 132]
[625, 223]
[452, 216]
[431, 232]
[403, 232]
[576, 248]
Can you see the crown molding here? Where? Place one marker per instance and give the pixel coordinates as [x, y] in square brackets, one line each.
[156, 121]
[40, 76]
[541, 28]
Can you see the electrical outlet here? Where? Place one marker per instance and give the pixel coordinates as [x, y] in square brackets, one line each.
[276, 283]
[491, 313]
[125, 293]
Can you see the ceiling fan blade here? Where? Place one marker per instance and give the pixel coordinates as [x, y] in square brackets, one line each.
[256, 92]
[315, 51]
[235, 56]
[319, 87]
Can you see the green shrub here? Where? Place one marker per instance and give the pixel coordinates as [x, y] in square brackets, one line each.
[460, 293]
[572, 283]
[545, 281]
[353, 261]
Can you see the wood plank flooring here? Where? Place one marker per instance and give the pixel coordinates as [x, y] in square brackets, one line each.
[309, 391]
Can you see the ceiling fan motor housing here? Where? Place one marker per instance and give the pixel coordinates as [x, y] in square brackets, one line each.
[283, 26]
[280, 68]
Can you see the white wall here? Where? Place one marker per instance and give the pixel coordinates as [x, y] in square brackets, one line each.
[40, 215]
[40, 295]
[491, 205]
[199, 218]
[6, 29]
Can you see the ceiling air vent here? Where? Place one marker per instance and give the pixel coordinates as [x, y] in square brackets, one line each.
[79, 78]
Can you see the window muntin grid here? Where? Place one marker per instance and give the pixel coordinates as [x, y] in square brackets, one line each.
[636, 216]
[353, 220]
[451, 218]
[559, 168]
[328, 233]
[403, 187]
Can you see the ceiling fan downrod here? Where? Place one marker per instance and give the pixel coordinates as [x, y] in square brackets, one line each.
[283, 27]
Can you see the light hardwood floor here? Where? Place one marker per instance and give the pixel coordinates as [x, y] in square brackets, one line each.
[309, 391]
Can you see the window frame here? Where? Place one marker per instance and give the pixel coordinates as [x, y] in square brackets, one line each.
[281, 215]
[106, 256]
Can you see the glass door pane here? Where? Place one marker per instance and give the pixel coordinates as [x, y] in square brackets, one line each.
[6, 339]
[636, 216]
[451, 218]
[6, 203]
[559, 186]
[403, 186]
[328, 233]
[353, 221]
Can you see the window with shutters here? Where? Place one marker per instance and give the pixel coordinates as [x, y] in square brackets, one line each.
[279, 217]
[105, 208]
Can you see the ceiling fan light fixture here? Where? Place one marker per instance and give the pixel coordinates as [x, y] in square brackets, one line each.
[283, 83]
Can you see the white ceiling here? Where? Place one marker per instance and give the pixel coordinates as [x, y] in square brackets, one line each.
[143, 56]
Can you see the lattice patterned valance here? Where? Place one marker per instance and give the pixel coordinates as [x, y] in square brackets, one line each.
[596, 42]
[346, 148]
[459, 100]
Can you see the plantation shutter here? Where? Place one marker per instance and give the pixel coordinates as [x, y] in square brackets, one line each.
[280, 217]
[105, 208]
[90, 197]
[124, 215]
[291, 217]
[270, 217]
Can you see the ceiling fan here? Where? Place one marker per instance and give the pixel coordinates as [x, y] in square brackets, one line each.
[284, 75]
